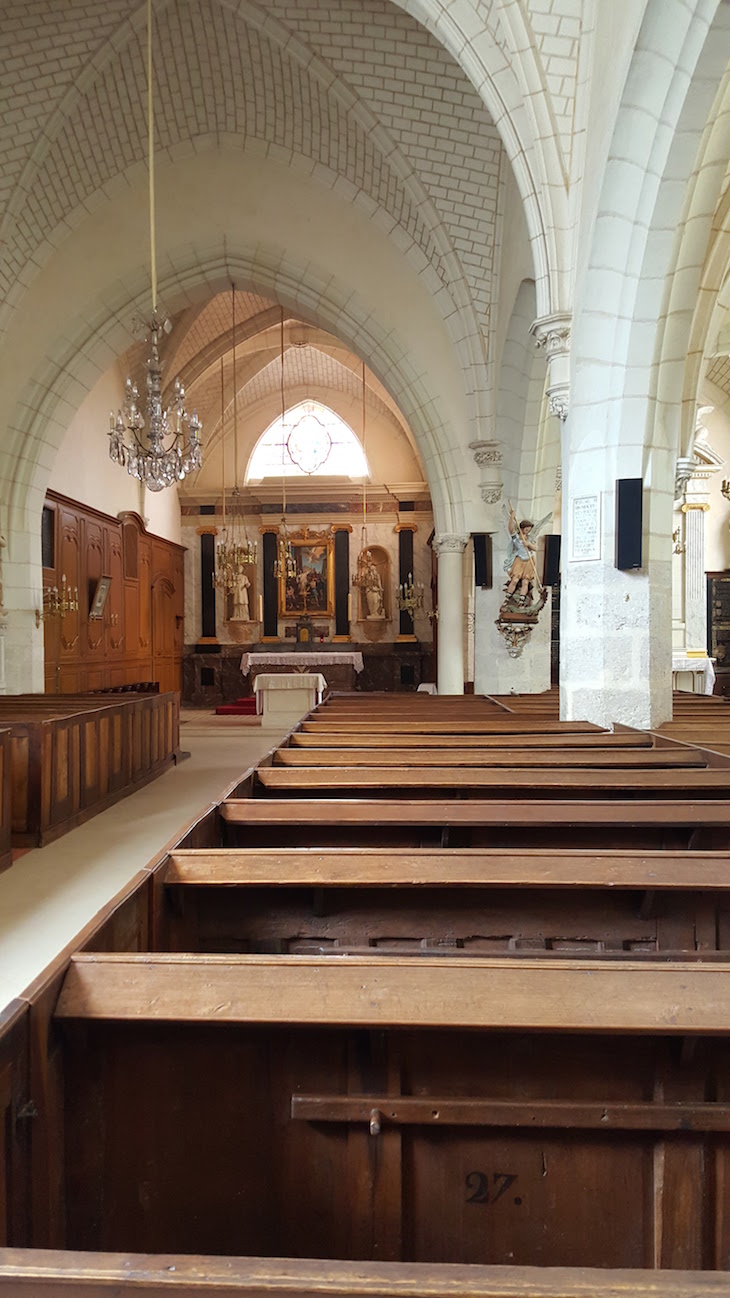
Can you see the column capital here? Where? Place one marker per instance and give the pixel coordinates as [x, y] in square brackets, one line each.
[552, 332]
[449, 543]
[487, 453]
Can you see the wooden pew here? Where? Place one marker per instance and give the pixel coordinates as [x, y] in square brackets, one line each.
[47, 1273]
[500, 821]
[613, 758]
[456, 1108]
[397, 740]
[376, 1108]
[512, 726]
[475, 781]
[476, 902]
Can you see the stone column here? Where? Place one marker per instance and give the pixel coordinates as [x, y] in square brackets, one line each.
[695, 593]
[451, 613]
[615, 661]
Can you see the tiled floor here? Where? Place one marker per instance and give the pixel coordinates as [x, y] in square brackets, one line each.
[50, 893]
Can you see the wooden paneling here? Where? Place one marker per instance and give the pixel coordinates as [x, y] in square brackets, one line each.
[70, 758]
[14, 1127]
[117, 649]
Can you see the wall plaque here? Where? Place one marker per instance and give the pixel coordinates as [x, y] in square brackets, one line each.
[586, 528]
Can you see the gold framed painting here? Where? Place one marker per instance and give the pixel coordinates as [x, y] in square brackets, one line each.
[312, 587]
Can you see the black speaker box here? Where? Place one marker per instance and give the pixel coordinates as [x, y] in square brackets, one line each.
[628, 522]
[482, 559]
[552, 560]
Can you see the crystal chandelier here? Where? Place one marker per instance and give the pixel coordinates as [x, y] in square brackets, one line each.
[284, 563]
[235, 551]
[171, 447]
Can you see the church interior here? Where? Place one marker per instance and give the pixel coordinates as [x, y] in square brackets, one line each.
[365, 647]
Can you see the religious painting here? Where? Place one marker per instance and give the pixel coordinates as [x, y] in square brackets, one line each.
[99, 599]
[310, 590]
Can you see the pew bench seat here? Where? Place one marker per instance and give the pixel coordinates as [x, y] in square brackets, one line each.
[527, 782]
[460, 868]
[612, 758]
[55, 1273]
[519, 994]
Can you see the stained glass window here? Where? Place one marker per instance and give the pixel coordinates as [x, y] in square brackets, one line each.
[311, 440]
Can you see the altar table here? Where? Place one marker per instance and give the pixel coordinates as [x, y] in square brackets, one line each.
[304, 661]
[700, 670]
[290, 693]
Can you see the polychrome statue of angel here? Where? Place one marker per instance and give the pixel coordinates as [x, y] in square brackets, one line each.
[520, 563]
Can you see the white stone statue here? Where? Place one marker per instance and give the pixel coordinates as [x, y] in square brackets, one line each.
[373, 590]
[241, 612]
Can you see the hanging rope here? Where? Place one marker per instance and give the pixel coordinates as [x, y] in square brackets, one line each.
[223, 445]
[235, 392]
[283, 415]
[151, 155]
[365, 479]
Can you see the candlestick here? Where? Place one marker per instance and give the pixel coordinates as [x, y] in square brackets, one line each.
[349, 608]
[261, 608]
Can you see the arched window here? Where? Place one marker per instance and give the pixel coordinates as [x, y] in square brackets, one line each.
[310, 440]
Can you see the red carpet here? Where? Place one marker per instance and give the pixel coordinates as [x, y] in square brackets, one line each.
[241, 708]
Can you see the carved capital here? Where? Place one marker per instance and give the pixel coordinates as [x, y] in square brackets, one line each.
[686, 465]
[559, 478]
[552, 332]
[449, 544]
[559, 402]
[492, 493]
[486, 453]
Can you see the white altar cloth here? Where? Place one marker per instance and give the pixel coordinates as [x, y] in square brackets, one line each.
[702, 671]
[303, 661]
[307, 689]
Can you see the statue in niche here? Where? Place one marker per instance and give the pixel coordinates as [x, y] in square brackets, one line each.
[524, 594]
[241, 609]
[373, 589]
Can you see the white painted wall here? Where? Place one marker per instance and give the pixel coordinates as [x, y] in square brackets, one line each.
[82, 468]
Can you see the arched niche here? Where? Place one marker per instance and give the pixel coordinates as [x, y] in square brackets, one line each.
[373, 599]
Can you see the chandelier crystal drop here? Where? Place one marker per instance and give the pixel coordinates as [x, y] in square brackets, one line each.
[171, 448]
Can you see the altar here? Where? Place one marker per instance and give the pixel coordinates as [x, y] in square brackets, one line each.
[693, 675]
[339, 667]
